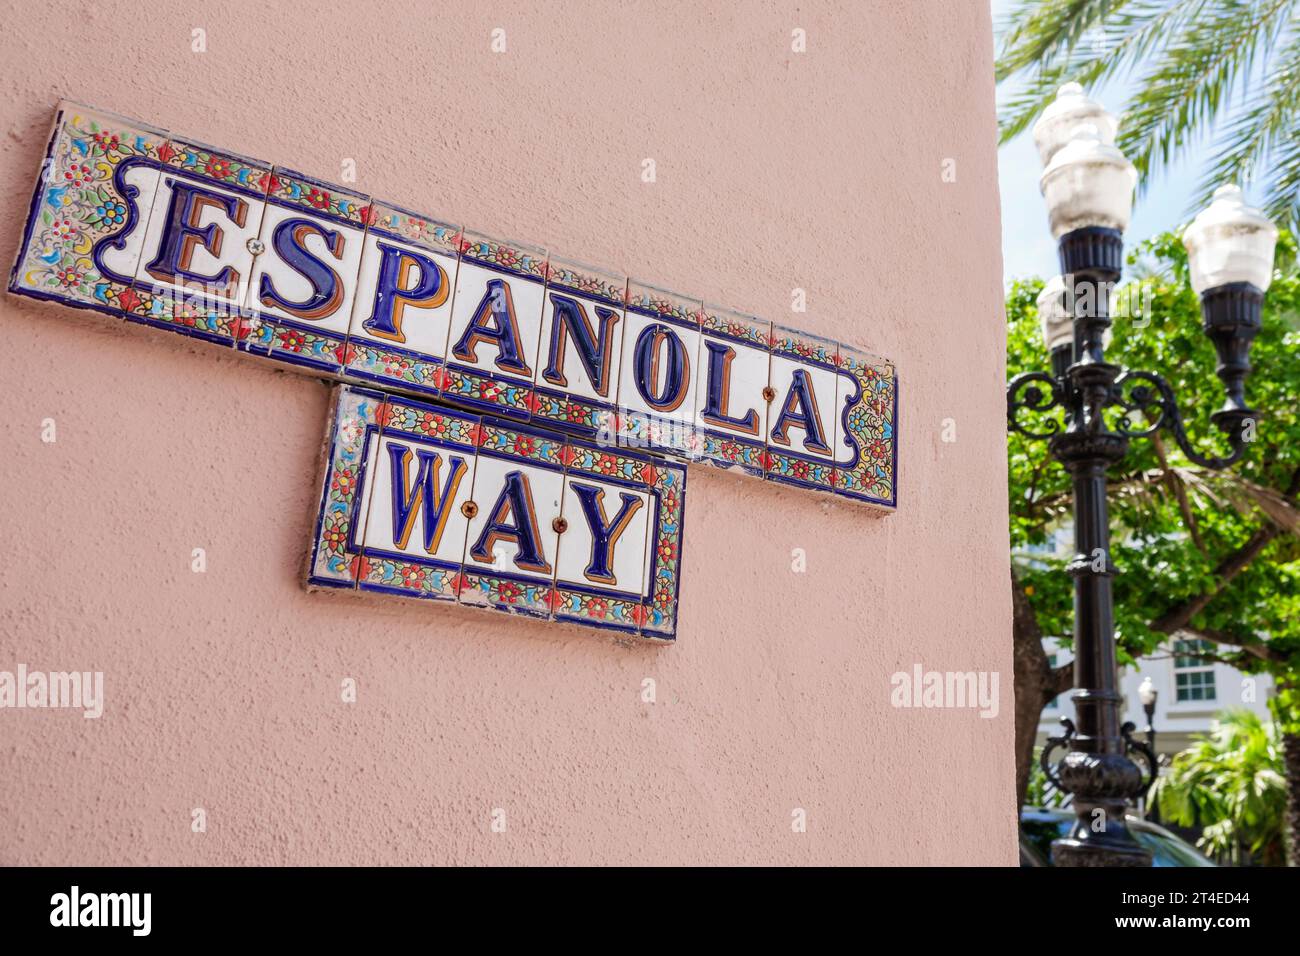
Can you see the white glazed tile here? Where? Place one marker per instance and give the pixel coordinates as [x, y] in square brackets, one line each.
[731, 407]
[659, 386]
[496, 324]
[803, 421]
[576, 382]
[308, 227]
[197, 262]
[398, 332]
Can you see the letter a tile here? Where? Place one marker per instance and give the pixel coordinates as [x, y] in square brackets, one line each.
[510, 548]
[803, 425]
[496, 323]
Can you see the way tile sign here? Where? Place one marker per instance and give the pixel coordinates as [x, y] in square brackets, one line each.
[426, 501]
[163, 231]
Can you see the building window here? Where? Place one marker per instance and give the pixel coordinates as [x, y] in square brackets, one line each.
[1193, 677]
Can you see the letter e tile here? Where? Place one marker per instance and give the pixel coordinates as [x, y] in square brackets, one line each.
[194, 272]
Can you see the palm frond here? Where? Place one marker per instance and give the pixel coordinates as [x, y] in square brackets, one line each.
[1124, 39]
[1194, 75]
[1270, 121]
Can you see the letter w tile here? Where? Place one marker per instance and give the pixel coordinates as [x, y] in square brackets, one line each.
[427, 495]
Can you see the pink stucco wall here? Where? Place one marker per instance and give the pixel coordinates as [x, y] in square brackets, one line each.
[775, 170]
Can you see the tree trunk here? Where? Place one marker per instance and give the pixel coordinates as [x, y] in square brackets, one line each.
[1291, 768]
[1035, 683]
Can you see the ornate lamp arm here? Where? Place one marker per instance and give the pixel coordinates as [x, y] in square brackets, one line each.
[1148, 392]
[1035, 399]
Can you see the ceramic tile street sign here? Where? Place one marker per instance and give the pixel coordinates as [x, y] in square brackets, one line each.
[425, 501]
[163, 231]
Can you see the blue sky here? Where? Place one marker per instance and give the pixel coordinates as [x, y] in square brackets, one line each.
[1027, 245]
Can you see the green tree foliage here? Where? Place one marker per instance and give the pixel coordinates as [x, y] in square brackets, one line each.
[1229, 69]
[1230, 782]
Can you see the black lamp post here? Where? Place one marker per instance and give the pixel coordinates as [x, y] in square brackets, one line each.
[1088, 186]
[1147, 695]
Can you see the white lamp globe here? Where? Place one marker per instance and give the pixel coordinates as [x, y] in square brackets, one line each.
[1055, 317]
[1230, 241]
[1071, 109]
[1088, 183]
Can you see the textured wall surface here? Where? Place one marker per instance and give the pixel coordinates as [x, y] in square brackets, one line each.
[775, 170]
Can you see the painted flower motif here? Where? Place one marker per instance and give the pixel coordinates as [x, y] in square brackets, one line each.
[667, 549]
[800, 469]
[490, 391]
[396, 366]
[525, 446]
[597, 608]
[368, 215]
[412, 575]
[350, 430]
[77, 175]
[70, 277]
[607, 465]
[509, 592]
[670, 501]
[575, 413]
[318, 198]
[111, 212]
[507, 256]
[106, 141]
[877, 450]
[128, 299]
[435, 426]
[268, 183]
[64, 230]
[218, 168]
[291, 339]
[345, 482]
[334, 534]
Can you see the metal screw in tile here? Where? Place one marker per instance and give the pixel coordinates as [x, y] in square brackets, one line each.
[769, 394]
[256, 246]
[560, 525]
[469, 509]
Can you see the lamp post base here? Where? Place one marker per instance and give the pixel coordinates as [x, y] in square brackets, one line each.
[1071, 852]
